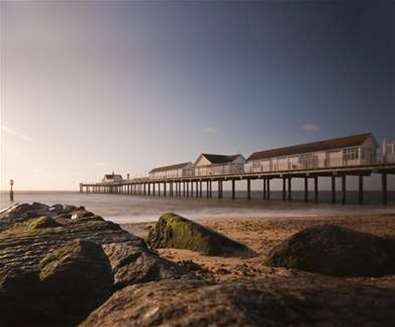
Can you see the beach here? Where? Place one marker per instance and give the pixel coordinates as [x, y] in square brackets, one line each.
[262, 234]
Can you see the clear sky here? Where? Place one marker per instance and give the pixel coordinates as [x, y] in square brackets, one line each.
[89, 87]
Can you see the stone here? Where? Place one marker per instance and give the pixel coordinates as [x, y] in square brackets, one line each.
[306, 300]
[174, 231]
[77, 259]
[337, 251]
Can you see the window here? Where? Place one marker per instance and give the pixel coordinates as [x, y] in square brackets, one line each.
[351, 154]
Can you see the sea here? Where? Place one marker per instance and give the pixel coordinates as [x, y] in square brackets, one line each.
[124, 209]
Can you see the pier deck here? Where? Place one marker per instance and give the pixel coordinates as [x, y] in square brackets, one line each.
[193, 186]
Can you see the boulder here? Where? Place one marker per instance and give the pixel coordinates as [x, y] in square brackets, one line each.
[78, 277]
[305, 300]
[337, 251]
[75, 259]
[173, 231]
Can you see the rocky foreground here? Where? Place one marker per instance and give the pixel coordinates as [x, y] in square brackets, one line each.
[65, 266]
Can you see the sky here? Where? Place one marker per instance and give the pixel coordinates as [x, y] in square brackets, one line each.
[91, 87]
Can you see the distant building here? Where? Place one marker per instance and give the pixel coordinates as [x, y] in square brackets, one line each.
[352, 150]
[109, 178]
[184, 169]
[217, 164]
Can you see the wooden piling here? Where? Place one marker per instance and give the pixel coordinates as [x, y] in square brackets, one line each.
[248, 189]
[384, 188]
[360, 189]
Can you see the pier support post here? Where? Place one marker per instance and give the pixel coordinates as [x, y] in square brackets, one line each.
[344, 191]
[360, 189]
[268, 189]
[284, 189]
[289, 188]
[384, 188]
[264, 188]
[248, 189]
[164, 189]
[192, 189]
[233, 189]
[220, 189]
[316, 188]
[306, 189]
[187, 182]
[207, 189]
[333, 182]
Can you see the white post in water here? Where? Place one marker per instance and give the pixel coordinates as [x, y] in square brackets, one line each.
[11, 190]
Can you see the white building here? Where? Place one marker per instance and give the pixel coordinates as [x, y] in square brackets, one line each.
[216, 164]
[110, 178]
[352, 150]
[184, 169]
[388, 151]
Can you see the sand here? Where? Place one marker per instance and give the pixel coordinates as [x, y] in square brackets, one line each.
[261, 235]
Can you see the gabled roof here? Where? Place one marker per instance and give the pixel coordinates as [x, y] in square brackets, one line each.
[341, 142]
[111, 176]
[219, 158]
[170, 167]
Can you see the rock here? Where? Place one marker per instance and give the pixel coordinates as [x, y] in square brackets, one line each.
[336, 251]
[84, 251]
[131, 265]
[306, 300]
[173, 231]
[78, 277]
[43, 222]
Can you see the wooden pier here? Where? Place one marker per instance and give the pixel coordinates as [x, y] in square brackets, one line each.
[192, 187]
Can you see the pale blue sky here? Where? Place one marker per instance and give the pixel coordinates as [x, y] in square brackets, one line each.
[92, 87]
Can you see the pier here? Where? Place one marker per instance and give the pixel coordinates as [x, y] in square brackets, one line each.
[192, 186]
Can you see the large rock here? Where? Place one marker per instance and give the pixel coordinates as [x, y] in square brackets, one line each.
[305, 300]
[43, 250]
[337, 251]
[173, 231]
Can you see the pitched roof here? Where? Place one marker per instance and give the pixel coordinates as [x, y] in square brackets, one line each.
[111, 176]
[219, 158]
[341, 142]
[170, 167]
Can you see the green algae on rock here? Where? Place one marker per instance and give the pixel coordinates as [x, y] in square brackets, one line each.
[337, 251]
[174, 231]
[43, 222]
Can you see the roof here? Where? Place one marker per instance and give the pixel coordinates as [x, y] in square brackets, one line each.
[170, 167]
[341, 142]
[111, 176]
[219, 158]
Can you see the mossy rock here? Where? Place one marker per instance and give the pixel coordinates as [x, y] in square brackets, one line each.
[43, 222]
[173, 231]
[336, 251]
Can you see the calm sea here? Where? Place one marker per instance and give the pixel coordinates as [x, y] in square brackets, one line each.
[126, 208]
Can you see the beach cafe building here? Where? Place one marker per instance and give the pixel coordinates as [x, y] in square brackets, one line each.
[110, 178]
[352, 150]
[217, 164]
[184, 169]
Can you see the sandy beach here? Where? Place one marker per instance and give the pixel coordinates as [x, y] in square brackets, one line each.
[261, 234]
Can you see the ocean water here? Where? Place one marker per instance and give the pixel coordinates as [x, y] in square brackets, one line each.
[129, 209]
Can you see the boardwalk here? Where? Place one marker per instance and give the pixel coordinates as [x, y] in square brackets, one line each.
[202, 186]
